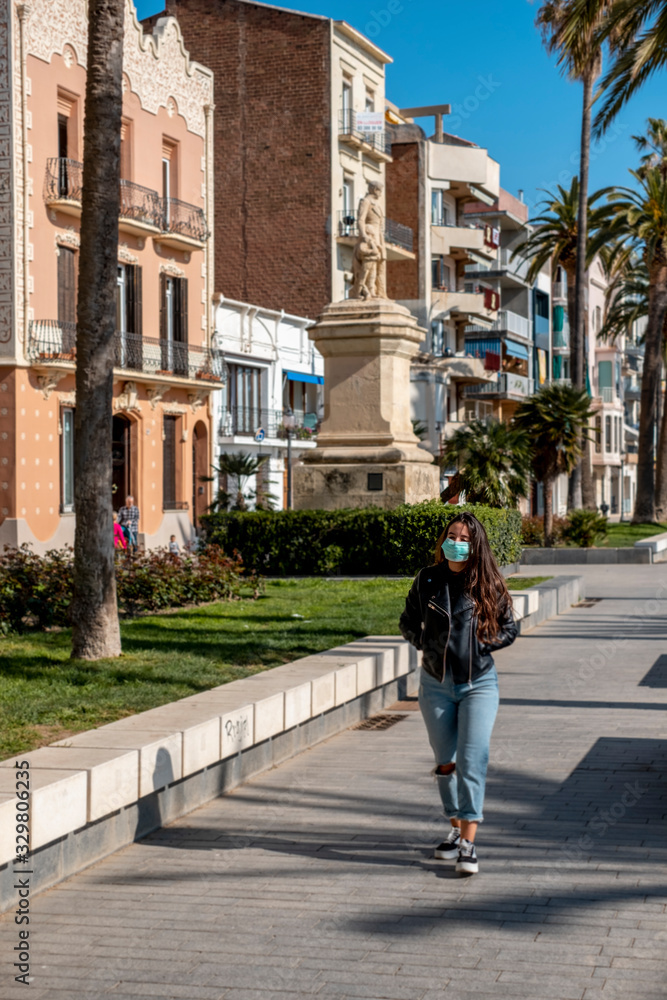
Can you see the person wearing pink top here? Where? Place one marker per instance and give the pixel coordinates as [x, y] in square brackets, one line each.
[118, 534]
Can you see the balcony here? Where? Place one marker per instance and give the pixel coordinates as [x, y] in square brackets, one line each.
[507, 321]
[183, 225]
[53, 344]
[245, 421]
[398, 238]
[140, 210]
[476, 304]
[559, 291]
[63, 184]
[506, 385]
[516, 270]
[460, 241]
[377, 145]
[464, 369]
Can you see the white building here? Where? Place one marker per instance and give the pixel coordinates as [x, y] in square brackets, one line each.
[273, 370]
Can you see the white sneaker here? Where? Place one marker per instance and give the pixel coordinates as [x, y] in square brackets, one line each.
[467, 862]
[448, 850]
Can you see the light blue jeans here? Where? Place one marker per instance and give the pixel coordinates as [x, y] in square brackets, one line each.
[459, 720]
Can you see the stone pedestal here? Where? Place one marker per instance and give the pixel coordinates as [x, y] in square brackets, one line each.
[367, 453]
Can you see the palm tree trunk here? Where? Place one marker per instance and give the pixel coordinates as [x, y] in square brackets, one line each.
[645, 506]
[94, 613]
[574, 495]
[547, 486]
[661, 458]
[577, 326]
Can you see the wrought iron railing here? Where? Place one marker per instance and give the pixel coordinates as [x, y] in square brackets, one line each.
[175, 505]
[51, 340]
[248, 420]
[63, 180]
[178, 217]
[140, 204]
[394, 232]
[347, 125]
[507, 384]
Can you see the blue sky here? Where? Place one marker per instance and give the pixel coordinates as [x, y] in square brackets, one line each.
[487, 57]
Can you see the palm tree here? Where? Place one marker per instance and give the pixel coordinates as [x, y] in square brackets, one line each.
[554, 419]
[493, 462]
[574, 37]
[638, 217]
[241, 467]
[94, 613]
[639, 32]
[653, 145]
[554, 240]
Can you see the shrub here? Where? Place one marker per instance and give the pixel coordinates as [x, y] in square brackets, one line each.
[35, 591]
[360, 541]
[584, 528]
[532, 529]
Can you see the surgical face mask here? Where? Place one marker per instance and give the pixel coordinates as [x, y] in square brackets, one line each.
[455, 551]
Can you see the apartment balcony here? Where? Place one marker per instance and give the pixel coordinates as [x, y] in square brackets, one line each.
[245, 421]
[183, 225]
[514, 270]
[140, 210]
[506, 321]
[475, 304]
[632, 393]
[63, 184]
[397, 237]
[461, 241]
[506, 386]
[377, 145]
[464, 369]
[559, 292]
[52, 344]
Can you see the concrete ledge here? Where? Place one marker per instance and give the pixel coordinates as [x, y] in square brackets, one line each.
[557, 557]
[554, 597]
[657, 544]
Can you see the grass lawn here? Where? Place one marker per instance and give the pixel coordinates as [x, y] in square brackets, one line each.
[45, 696]
[521, 582]
[620, 535]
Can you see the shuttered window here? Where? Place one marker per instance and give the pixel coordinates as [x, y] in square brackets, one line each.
[169, 463]
[174, 323]
[67, 460]
[66, 285]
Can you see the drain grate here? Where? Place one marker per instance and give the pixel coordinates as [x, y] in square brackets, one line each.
[590, 602]
[379, 722]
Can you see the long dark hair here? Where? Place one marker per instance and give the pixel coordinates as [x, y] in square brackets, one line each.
[483, 580]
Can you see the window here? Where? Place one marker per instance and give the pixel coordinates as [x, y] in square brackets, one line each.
[246, 398]
[437, 338]
[598, 435]
[607, 434]
[128, 299]
[169, 463]
[597, 323]
[440, 274]
[440, 215]
[347, 95]
[126, 149]
[69, 175]
[616, 434]
[369, 104]
[67, 460]
[169, 174]
[174, 324]
[348, 220]
[66, 285]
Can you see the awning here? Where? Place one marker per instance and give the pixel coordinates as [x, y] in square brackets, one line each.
[478, 348]
[303, 377]
[515, 349]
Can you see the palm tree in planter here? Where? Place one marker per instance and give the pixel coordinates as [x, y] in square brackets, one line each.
[554, 240]
[555, 420]
[240, 467]
[493, 463]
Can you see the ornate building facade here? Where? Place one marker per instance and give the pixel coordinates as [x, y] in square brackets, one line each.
[165, 370]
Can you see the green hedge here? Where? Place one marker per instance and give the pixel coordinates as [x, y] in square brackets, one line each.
[364, 541]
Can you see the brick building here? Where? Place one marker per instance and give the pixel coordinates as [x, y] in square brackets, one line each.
[164, 369]
[293, 155]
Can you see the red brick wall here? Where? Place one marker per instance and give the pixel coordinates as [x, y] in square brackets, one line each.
[402, 181]
[272, 149]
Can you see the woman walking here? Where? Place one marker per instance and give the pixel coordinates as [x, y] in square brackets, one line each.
[457, 612]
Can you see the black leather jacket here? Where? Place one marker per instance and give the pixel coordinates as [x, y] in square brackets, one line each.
[446, 630]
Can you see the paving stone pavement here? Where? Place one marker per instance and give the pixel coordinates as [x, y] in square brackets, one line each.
[315, 879]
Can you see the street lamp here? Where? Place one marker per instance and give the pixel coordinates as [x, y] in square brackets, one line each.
[289, 422]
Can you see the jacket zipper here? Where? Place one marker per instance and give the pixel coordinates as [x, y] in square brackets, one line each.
[442, 611]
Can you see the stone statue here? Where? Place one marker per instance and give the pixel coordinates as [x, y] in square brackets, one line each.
[369, 268]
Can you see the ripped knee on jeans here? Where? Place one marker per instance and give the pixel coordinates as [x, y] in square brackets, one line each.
[444, 769]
